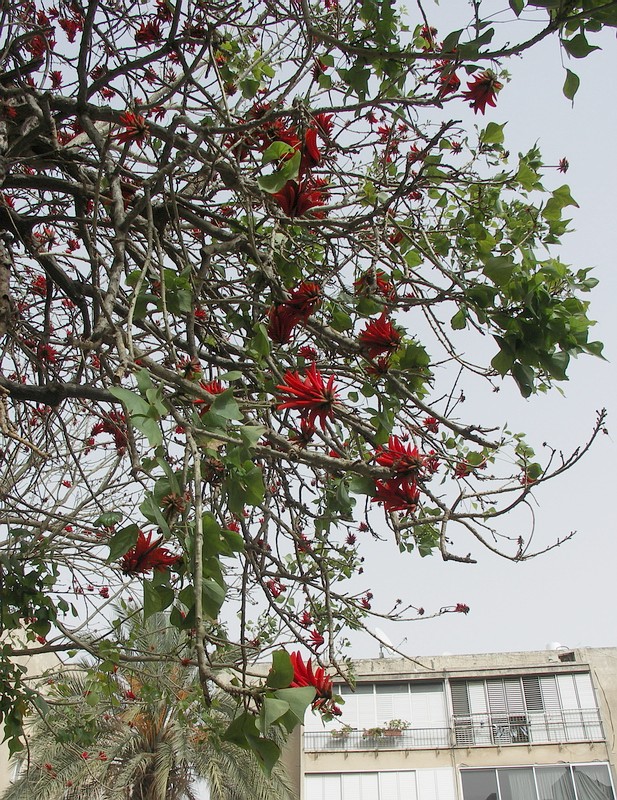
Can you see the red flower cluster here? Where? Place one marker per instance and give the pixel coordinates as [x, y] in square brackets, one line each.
[482, 91]
[311, 396]
[397, 495]
[403, 459]
[113, 423]
[380, 336]
[146, 556]
[135, 128]
[298, 197]
[374, 282]
[284, 317]
[304, 675]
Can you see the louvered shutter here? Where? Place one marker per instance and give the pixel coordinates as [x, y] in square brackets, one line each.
[552, 707]
[589, 706]
[360, 786]
[392, 702]
[428, 715]
[573, 722]
[532, 691]
[322, 787]
[365, 699]
[397, 785]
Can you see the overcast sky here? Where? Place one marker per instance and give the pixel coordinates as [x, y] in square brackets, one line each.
[568, 595]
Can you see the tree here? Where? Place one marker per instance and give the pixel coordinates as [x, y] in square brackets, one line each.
[246, 253]
[140, 732]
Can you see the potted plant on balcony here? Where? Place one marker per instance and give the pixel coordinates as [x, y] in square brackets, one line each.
[373, 733]
[395, 727]
[342, 732]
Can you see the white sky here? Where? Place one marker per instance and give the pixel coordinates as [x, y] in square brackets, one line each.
[567, 595]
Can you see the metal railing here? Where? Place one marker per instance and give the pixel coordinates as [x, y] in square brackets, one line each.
[474, 730]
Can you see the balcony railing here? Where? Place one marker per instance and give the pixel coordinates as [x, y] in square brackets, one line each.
[475, 730]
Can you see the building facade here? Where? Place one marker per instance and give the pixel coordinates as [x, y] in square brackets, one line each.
[509, 726]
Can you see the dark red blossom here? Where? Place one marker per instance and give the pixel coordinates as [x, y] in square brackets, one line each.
[374, 281]
[380, 336]
[462, 608]
[71, 27]
[275, 587]
[396, 495]
[296, 198]
[324, 124]
[311, 396]
[149, 33]
[113, 423]
[212, 387]
[281, 321]
[135, 128]
[564, 165]
[401, 458]
[56, 79]
[482, 91]
[147, 555]
[305, 675]
[310, 151]
[316, 638]
[431, 424]
[305, 299]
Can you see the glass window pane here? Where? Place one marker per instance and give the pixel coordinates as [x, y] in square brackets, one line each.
[593, 782]
[554, 783]
[517, 784]
[479, 784]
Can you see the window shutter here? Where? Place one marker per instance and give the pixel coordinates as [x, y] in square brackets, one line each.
[322, 787]
[460, 698]
[567, 692]
[584, 688]
[397, 785]
[496, 697]
[514, 696]
[533, 693]
[392, 702]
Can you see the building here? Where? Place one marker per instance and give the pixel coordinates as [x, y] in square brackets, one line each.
[507, 726]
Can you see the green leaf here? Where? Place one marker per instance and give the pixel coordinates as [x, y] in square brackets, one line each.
[299, 700]
[260, 343]
[524, 377]
[133, 402]
[271, 710]
[156, 598]
[571, 84]
[578, 46]
[251, 434]
[289, 171]
[459, 320]
[242, 726]
[276, 151]
[225, 405]
[493, 133]
[517, 6]
[267, 752]
[107, 519]
[122, 541]
[213, 597]
[282, 672]
[499, 269]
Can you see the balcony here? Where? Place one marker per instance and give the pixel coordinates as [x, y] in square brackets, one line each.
[476, 730]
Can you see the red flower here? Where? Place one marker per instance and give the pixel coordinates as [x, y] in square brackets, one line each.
[462, 608]
[449, 82]
[281, 321]
[374, 281]
[113, 423]
[380, 336]
[275, 587]
[135, 128]
[297, 198]
[305, 676]
[146, 556]
[316, 638]
[311, 396]
[310, 152]
[431, 424]
[305, 619]
[149, 33]
[56, 79]
[403, 459]
[482, 91]
[213, 387]
[396, 495]
[564, 165]
[70, 27]
[305, 299]
[324, 124]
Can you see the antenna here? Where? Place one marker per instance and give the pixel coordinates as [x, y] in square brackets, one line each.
[384, 642]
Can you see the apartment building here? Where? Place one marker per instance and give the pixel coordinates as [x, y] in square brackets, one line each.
[507, 726]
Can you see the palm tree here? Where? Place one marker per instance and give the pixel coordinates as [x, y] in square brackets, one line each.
[141, 732]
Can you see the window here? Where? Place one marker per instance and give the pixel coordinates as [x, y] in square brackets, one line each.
[531, 708]
[361, 786]
[559, 782]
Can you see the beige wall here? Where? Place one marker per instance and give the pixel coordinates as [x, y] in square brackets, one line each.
[600, 662]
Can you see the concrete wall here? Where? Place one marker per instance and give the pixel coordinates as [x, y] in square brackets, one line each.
[601, 663]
